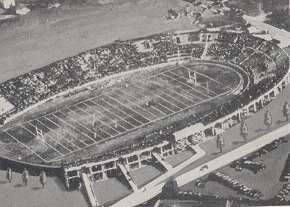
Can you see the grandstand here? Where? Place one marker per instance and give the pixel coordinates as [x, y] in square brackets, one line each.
[135, 105]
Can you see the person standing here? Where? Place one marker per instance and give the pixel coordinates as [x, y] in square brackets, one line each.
[220, 142]
[25, 176]
[9, 174]
[42, 178]
[286, 110]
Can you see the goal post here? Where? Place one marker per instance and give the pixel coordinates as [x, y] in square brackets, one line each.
[39, 133]
[192, 77]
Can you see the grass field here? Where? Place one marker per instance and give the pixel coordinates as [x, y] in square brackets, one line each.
[124, 109]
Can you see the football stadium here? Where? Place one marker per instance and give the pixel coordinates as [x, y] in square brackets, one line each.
[170, 89]
[108, 111]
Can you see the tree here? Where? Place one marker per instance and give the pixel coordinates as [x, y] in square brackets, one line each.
[268, 119]
[220, 142]
[25, 176]
[170, 189]
[170, 138]
[9, 174]
[286, 110]
[42, 178]
[244, 131]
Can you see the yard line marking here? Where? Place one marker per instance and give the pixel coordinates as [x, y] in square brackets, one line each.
[111, 112]
[184, 89]
[158, 119]
[134, 96]
[168, 78]
[101, 114]
[41, 139]
[173, 90]
[176, 94]
[4, 145]
[207, 77]
[90, 115]
[142, 108]
[66, 131]
[113, 121]
[73, 127]
[54, 131]
[78, 121]
[169, 72]
[155, 95]
[97, 96]
[51, 137]
[125, 106]
[197, 85]
[160, 91]
[173, 67]
[95, 117]
[121, 111]
[26, 147]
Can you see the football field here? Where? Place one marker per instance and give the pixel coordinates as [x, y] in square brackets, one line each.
[122, 110]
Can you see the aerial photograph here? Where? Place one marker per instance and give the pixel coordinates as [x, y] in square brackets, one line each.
[147, 103]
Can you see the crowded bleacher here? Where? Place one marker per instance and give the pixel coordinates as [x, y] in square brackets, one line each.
[259, 58]
[144, 144]
[264, 62]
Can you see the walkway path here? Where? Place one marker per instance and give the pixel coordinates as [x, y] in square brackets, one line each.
[155, 187]
[128, 177]
[231, 156]
[165, 164]
[89, 190]
[204, 54]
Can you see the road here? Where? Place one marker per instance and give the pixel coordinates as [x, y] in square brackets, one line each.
[233, 149]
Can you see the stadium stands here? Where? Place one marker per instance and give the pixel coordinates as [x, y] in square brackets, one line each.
[264, 62]
[259, 58]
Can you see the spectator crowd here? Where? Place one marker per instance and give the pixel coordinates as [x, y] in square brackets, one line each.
[28, 89]
[127, 149]
[253, 54]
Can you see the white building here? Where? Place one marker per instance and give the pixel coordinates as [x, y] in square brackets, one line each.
[144, 46]
[6, 4]
[5, 106]
[193, 134]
